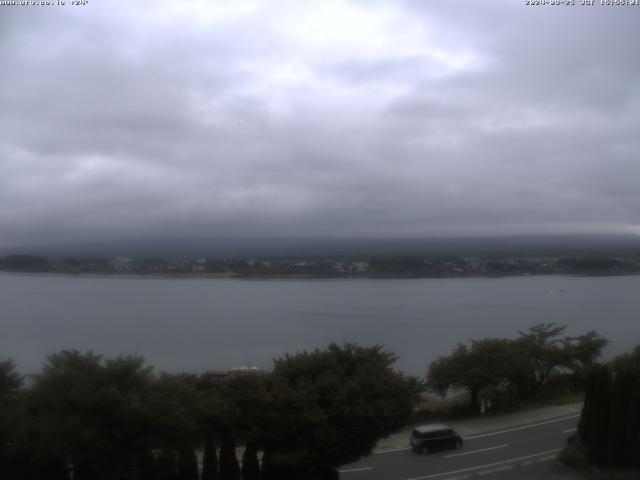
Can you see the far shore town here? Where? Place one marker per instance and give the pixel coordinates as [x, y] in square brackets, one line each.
[374, 267]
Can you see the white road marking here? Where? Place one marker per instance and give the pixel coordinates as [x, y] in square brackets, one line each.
[545, 459]
[511, 460]
[496, 470]
[482, 435]
[349, 470]
[569, 430]
[390, 450]
[476, 451]
[524, 464]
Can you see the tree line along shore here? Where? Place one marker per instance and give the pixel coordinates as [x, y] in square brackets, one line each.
[98, 418]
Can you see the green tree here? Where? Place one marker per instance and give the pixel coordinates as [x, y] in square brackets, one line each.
[94, 413]
[518, 368]
[627, 410]
[10, 420]
[539, 352]
[583, 352]
[212, 419]
[250, 463]
[485, 364]
[10, 382]
[166, 465]
[542, 352]
[330, 407]
[243, 401]
[268, 470]
[210, 458]
[175, 403]
[10, 386]
[609, 427]
[187, 465]
[229, 467]
[594, 421]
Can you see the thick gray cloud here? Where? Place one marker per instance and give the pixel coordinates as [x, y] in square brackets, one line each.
[330, 118]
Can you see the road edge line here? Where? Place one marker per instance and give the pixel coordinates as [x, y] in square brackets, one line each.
[484, 466]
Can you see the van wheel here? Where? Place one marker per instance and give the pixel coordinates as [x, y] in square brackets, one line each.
[459, 444]
[424, 450]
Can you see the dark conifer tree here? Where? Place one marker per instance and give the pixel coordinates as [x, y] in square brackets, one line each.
[83, 471]
[586, 424]
[615, 444]
[632, 436]
[594, 422]
[267, 471]
[229, 467]
[609, 427]
[166, 465]
[602, 414]
[250, 463]
[31, 467]
[147, 467]
[624, 431]
[187, 465]
[210, 459]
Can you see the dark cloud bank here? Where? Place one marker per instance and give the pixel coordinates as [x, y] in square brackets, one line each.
[333, 120]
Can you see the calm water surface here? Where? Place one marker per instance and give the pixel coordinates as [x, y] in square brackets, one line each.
[196, 324]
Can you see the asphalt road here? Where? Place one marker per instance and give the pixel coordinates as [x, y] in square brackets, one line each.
[510, 453]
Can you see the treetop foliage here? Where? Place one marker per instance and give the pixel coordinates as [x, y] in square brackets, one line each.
[101, 418]
[342, 400]
[10, 381]
[521, 367]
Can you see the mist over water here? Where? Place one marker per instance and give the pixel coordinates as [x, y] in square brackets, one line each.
[198, 324]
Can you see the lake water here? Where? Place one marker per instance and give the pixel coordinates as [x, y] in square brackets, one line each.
[196, 323]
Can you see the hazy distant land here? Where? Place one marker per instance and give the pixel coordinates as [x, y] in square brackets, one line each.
[314, 267]
[321, 258]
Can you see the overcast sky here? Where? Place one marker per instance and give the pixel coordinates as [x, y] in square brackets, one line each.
[317, 118]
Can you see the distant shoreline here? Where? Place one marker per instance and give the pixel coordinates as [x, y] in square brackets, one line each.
[385, 267]
[236, 276]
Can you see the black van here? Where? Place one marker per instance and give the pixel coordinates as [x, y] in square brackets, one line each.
[427, 438]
